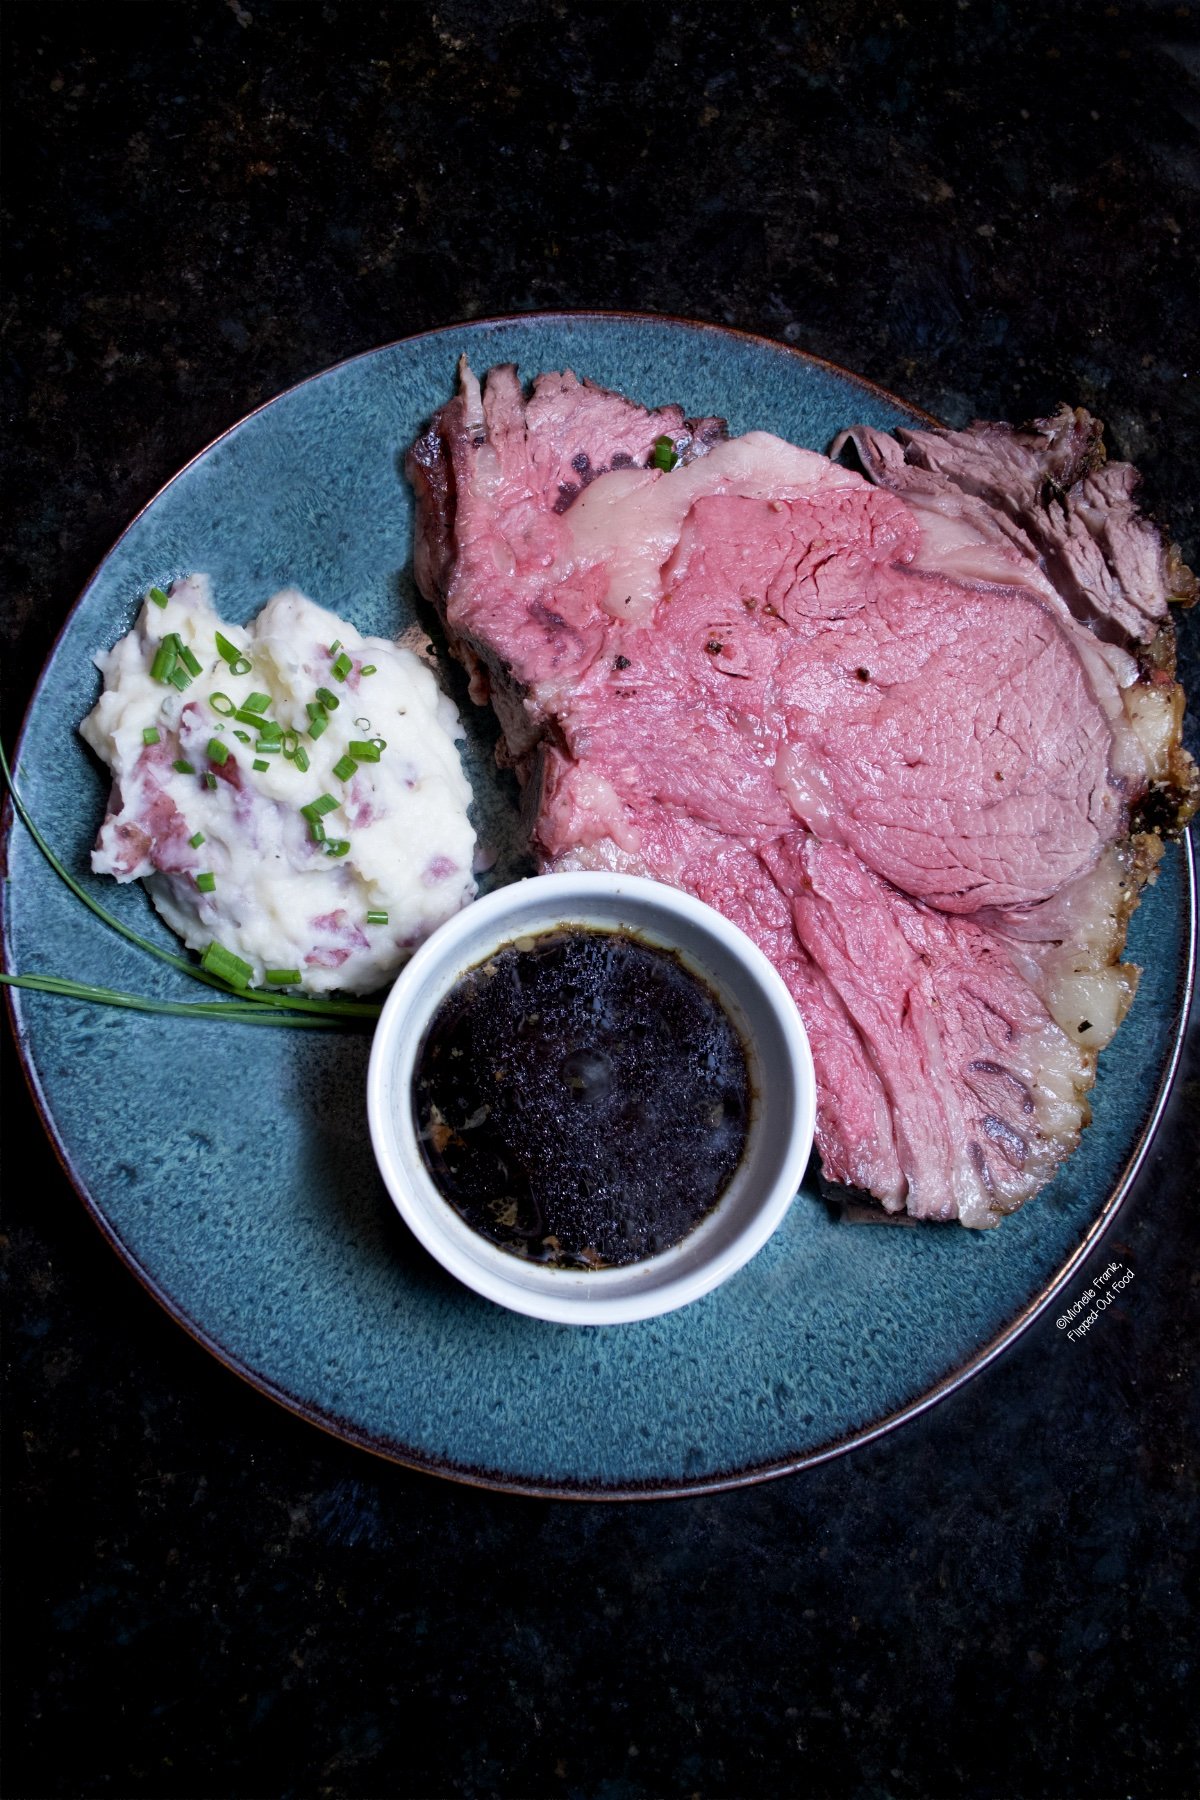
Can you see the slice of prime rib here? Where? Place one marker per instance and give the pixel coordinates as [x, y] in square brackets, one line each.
[910, 732]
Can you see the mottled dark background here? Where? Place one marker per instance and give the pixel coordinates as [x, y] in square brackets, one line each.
[986, 207]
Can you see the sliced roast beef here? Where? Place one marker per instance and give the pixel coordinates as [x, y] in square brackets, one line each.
[1050, 493]
[985, 1091]
[868, 720]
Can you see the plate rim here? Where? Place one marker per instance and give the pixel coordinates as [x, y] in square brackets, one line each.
[495, 1480]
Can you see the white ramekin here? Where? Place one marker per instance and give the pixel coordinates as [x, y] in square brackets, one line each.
[781, 1079]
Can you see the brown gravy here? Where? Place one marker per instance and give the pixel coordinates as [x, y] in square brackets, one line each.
[582, 1098]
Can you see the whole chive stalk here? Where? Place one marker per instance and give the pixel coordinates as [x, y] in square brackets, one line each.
[335, 1009]
[257, 1009]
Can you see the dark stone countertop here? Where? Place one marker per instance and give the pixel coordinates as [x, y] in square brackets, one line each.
[986, 207]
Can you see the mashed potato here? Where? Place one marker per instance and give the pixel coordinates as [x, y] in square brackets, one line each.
[289, 790]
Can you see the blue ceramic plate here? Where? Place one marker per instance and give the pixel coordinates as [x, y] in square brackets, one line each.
[231, 1167]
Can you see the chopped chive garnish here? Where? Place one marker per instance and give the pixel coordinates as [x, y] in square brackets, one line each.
[181, 766]
[283, 977]
[379, 743]
[337, 846]
[291, 742]
[316, 809]
[206, 882]
[222, 962]
[301, 759]
[210, 780]
[258, 1009]
[344, 767]
[363, 751]
[270, 731]
[238, 664]
[158, 597]
[314, 812]
[664, 454]
[256, 702]
[221, 703]
[243, 737]
[217, 751]
[260, 763]
[367, 669]
[150, 735]
[342, 666]
[179, 678]
[328, 700]
[318, 720]
[335, 646]
[376, 918]
[247, 717]
[228, 651]
[164, 661]
[263, 749]
[196, 839]
[191, 661]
